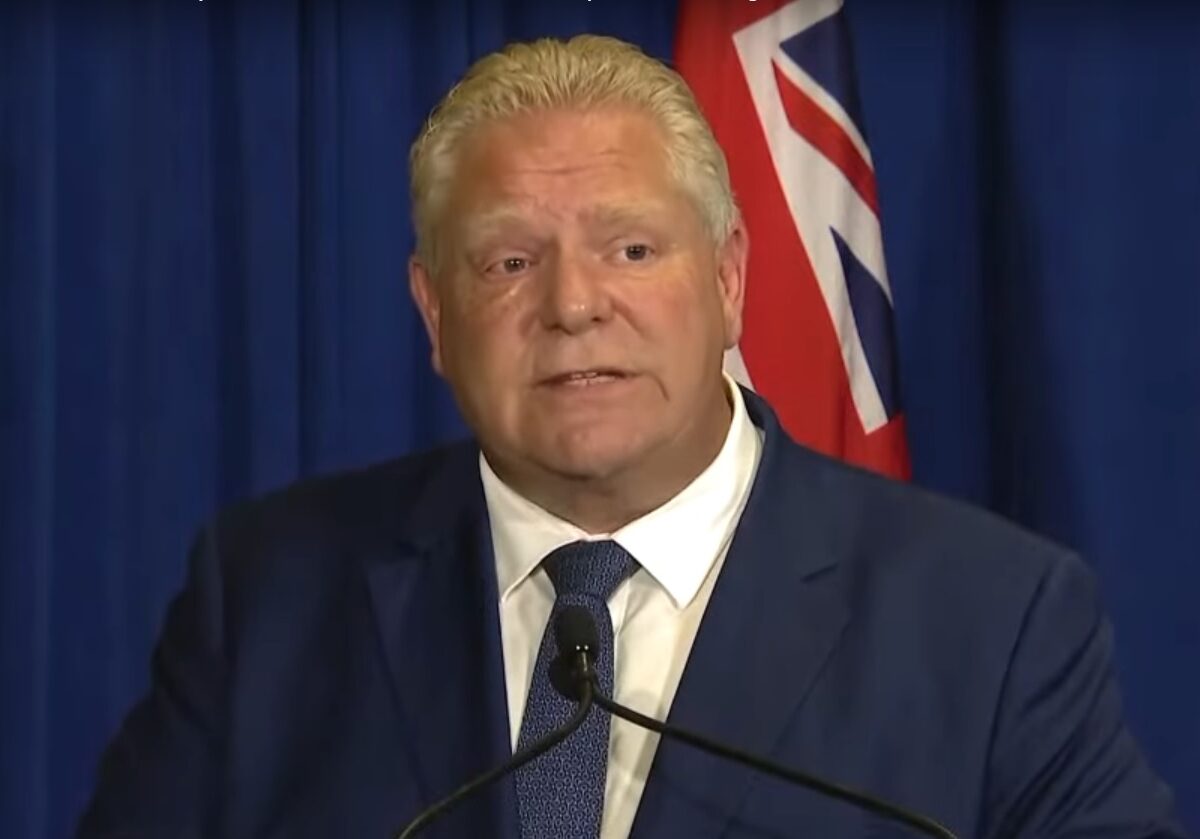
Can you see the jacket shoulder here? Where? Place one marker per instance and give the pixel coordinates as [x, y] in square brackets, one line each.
[328, 517]
[891, 528]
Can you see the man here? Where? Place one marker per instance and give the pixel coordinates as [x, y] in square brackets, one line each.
[352, 649]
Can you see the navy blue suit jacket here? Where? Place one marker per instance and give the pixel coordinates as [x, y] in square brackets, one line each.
[334, 665]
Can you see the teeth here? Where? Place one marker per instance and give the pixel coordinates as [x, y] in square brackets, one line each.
[589, 375]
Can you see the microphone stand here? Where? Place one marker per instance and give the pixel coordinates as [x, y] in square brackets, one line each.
[519, 759]
[575, 678]
[881, 808]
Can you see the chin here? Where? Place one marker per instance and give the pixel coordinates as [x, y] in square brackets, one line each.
[591, 459]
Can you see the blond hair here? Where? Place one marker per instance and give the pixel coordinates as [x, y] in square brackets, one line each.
[583, 72]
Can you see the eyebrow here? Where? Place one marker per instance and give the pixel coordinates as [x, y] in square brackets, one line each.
[608, 214]
[493, 219]
[617, 214]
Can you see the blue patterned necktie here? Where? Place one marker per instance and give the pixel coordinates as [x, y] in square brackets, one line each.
[560, 795]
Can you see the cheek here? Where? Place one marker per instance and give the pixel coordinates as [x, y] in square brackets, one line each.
[691, 338]
[686, 319]
[482, 347]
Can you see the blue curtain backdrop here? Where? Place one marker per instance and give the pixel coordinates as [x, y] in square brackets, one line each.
[203, 235]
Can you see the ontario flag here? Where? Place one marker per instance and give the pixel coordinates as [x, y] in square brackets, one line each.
[776, 81]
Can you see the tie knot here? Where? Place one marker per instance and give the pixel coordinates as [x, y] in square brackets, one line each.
[594, 568]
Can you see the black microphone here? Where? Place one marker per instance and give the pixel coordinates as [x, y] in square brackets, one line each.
[580, 659]
[576, 679]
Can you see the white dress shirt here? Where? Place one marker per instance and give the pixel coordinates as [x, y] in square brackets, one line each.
[680, 548]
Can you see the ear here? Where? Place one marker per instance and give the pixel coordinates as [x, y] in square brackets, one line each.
[425, 295]
[732, 258]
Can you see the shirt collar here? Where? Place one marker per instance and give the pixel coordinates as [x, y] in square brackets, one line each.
[677, 543]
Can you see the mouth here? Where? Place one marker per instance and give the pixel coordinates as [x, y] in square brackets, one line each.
[587, 378]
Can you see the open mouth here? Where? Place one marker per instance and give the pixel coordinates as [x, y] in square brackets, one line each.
[587, 378]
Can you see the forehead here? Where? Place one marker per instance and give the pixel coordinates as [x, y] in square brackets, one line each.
[581, 162]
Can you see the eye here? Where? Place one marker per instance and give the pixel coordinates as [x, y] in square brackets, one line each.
[509, 266]
[637, 253]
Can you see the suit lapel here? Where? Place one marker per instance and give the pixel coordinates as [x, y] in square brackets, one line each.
[775, 616]
[435, 602]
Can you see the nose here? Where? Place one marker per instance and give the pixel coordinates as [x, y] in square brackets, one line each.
[574, 297]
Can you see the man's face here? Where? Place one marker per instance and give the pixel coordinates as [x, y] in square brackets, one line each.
[580, 310]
